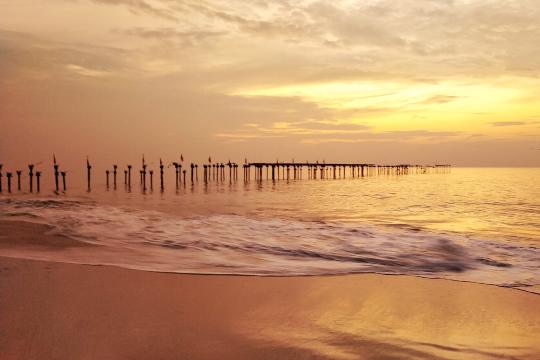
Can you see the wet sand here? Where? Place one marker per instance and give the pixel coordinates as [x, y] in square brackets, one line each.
[68, 311]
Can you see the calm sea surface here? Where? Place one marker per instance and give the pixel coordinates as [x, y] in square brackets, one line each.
[473, 224]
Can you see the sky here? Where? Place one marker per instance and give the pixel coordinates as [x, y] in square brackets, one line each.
[376, 81]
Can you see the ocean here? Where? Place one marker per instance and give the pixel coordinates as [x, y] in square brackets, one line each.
[472, 224]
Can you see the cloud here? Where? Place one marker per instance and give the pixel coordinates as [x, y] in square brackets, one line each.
[508, 123]
[142, 7]
[81, 70]
[185, 67]
[186, 37]
[439, 99]
[309, 133]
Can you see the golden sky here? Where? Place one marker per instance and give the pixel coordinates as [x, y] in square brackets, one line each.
[446, 81]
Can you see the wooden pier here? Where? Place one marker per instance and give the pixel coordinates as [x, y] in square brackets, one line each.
[217, 172]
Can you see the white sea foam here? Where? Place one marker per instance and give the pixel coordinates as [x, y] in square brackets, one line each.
[240, 244]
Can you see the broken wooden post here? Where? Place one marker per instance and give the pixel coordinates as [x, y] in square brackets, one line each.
[38, 175]
[19, 173]
[31, 175]
[8, 175]
[88, 171]
[56, 173]
[162, 185]
[175, 164]
[144, 177]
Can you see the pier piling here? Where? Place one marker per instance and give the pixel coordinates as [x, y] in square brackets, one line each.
[8, 175]
[63, 173]
[31, 176]
[19, 173]
[88, 173]
[38, 176]
[162, 185]
[115, 167]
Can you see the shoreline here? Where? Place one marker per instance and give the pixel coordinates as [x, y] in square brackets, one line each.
[58, 310]
[523, 289]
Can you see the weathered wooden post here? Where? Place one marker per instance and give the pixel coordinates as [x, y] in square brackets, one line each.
[197, 172]
[107, 175]
[184, 173]
[56, 173]
[151, 179]
[143, 174]
[162, 186]
[19, 173]
[115, 167]
[125, 178]
[144, 177]
[31, 175]
[88, 171]
[63, 173]
[8, 175]
[129, 177]
[38, 176]
[192, 167]
[176, 174]
[204, 174]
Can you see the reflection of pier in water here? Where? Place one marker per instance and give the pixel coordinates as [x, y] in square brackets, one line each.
[223, 172]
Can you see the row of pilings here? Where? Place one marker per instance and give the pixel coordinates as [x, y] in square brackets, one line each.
[218, 173]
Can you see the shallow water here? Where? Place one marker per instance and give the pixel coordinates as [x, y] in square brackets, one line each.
[480, 225]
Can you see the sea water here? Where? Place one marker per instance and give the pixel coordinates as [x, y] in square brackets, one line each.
[472, 224]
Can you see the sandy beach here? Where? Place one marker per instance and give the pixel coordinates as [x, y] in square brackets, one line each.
[68, 311]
